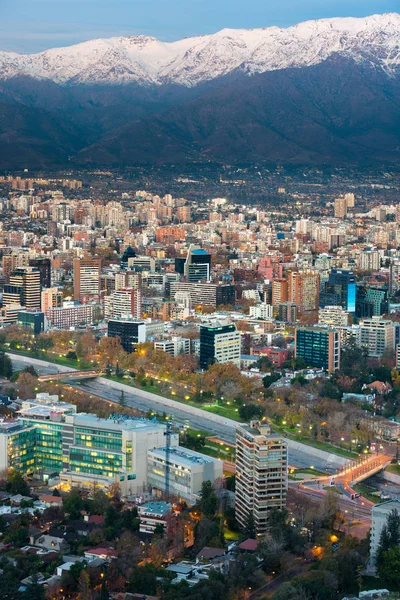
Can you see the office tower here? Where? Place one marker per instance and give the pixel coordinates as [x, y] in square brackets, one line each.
[212, 294]
[287, 312]
[32, 319]
[372, 301]
[126, 302]
[304, 289]
[130, 331]
[340, 209]
[377, 336]
[44, 267]
[333, 316]
[128, 253]
[197, 266]
[280, 291]
[318, 347]
[339, 290]
[261, 474]
[51, 298]
[24, 288]
[87, 276]
[219, 344]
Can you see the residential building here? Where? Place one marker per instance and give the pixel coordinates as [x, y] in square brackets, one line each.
[287, 312]
[51, 298]
[340, 208]
[304, 289]
[175, 346]
[262, 311]
[398, 357]
[70, 314]
[87, 277]
[369, 260]
[318, 347]
[219, 343]
[379, 516]
[377, 336]
[153, 515]
[44, 267]
[187, 470]
[212, 294]
[130, 331]
[261, 474]
[333, 316]
[125, 302]
[280, 291]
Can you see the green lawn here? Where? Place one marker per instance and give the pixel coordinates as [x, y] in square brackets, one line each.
[366, 491]
[299, 472]
[393, 469]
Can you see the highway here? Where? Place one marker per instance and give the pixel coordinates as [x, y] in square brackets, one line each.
[223, 428]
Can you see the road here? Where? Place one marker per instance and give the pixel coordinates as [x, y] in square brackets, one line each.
[182, 416]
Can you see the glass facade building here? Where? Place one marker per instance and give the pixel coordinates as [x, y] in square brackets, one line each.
[318, 347]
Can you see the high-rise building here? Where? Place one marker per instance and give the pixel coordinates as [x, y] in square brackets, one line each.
[333, 316]
[261, 474]
[372, 301]
[44, 267]
[51, 298]
[24, 288]
[197, 266]
[261, 311]
[369, 260]
[304, 289]
[340, 290]
[87, 276]
[212, 294]
[219, 344]
[280, 292]
[125, 302]
[130, 331]
[340, 208]
[377, 336]
[318, 347]
[287, 312]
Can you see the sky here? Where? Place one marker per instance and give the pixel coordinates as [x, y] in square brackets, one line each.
[35, 25]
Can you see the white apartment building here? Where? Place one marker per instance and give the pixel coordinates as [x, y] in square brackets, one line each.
[261, 473]
[333, 316]
[262, 311]
[125, 302]
[187, 471]
[377, 335]
[369, 260]
[380, 513]
[175, 346]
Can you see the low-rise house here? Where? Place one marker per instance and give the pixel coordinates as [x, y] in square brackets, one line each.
[103, 553]
[50, 542]
[153, 515]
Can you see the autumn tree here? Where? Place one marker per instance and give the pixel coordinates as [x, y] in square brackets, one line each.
[110, 351]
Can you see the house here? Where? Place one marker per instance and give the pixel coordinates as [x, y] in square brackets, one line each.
[379, 387]
[152, 515]
[104, 553]
[208, 553]
[48, 500]
[50, 542]
[248, 545]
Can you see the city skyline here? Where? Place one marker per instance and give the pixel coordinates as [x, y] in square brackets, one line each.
[27, 28]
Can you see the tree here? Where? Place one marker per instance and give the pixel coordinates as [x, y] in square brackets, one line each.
[289, 591]
[6, 368]
[250, 526]
[389, 566]
[84, 588]
[390, 535]
[34, 591]
[208, 500]
[73, 505]
[16, 484]
[122, 398]
[26, 385]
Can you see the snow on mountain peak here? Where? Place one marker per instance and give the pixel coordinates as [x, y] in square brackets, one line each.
[190, 61]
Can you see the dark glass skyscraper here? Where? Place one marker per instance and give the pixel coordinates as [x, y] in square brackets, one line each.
[339, 290]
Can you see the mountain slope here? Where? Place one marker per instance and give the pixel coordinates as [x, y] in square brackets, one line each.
[188, 62]
[333, 113]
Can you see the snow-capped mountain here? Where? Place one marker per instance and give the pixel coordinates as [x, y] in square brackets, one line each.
[188, 62]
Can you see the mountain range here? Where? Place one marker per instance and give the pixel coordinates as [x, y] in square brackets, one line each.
[320, 92]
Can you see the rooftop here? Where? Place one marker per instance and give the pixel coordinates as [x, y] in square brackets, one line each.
[184, 456]
[155, 508]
